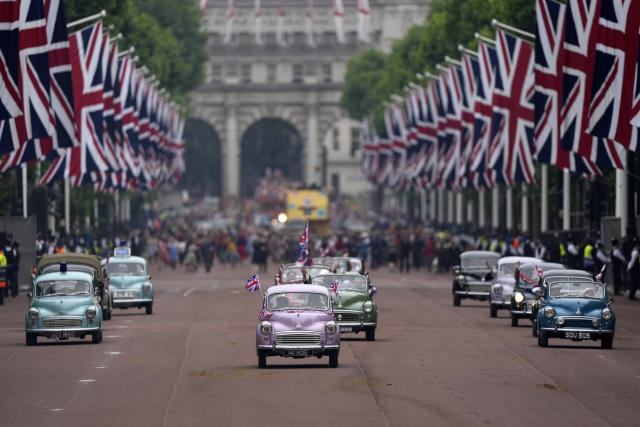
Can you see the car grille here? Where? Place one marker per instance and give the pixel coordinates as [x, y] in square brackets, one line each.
[347, 317]
[578, 323]
[298, 339]
[479, 287]
[61, 323]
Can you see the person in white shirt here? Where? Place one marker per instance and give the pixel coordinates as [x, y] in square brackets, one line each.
[634, 268]
[618, 264]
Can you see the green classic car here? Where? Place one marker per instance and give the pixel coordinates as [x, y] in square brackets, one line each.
[353, 305]
[130, 280]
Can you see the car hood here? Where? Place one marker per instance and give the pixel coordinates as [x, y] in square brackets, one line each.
[126, 281]
[63, 306]
[299, 320]
[349, 300]
[569, 306]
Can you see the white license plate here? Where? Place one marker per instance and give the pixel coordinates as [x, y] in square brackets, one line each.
[297, 353]
[578, 335]
[344, 329]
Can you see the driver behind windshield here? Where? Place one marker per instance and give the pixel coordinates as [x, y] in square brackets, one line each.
[316, 302]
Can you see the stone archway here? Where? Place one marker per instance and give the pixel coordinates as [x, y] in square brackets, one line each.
[203, 159]
[270, 143]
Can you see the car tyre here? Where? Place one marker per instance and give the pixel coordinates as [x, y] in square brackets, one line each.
[333, 359]
[262, 359]
[543, 339]
[514, 321]
[493, 310]
[456, 300]
[607, 342]
[148, 309]
[32, 339]
[107, 315]
[96, 337]
[371, 334]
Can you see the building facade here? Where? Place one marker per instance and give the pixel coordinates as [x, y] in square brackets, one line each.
[292, 80]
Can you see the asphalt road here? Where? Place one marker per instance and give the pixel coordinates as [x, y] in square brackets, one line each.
[193, 362]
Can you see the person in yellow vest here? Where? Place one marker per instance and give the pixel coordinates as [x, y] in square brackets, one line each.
[588, 263]
[3, 275]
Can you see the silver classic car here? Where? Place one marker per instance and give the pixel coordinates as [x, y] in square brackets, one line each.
[474, 275]
[505, 281]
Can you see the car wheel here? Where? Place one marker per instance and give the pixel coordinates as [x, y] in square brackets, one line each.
[262, 359]
[607, 342]
[456, 300]
[371, 334]
[96, 337]
[514, 321]
[148, 309]
[493, 310]
[534, 328]
[32, 339]
[543, 339]
[107, 315]
[333, 359]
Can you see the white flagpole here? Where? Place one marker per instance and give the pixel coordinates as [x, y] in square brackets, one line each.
[258, 22]
[544, 198]
[338, 18]
[566, 200]
[24, 190]
[509, 202]
[67, 205]
[86, 19]
[622, 182]
[309, 24]
[229, 30]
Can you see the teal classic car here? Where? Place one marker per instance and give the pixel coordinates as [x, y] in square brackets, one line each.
[130, 280]
[353, 305]
[63, 305]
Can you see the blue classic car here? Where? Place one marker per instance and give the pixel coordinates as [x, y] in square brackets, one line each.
[62, 305]
[130, 280]
[573, 305]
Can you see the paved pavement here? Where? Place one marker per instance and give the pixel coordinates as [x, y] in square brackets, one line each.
[193, 362]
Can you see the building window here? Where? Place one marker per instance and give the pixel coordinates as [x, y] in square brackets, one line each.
[232, 69]
[355, 141]
[246, 73]
[326, 73]
[216, 73]
[335, 183]
[336, 140]
[297, 73]
[272, 73]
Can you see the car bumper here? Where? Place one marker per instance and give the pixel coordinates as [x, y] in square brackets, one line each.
[130, 302]
[63, 332]
[499, 303]
[298, 351]
[473, 294]
[577, 334]
[521, 313]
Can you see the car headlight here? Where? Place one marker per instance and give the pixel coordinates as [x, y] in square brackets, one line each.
[518, 297]
[460, 278]
[549, 312]
[33, 314]
[367, 306]
[146, 286]
[330, 328]
[606, 314]
[91, 312]
[497, 289]
[266, 328]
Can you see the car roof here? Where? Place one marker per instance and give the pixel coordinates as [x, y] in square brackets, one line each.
[575, 273]
[281, 289]
[84, 259]
[514, 259]
[544, 265]
[131, 258]
[479, 253]
[71, 275]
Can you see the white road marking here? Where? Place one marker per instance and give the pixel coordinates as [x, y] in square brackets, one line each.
[113, 352]
[86, 381]
[186, 294]
[121, 326]
[235, 292]
[57, 410]
[113, 336]
[101, 367]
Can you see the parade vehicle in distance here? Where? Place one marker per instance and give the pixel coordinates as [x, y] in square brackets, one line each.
[297, 321]
[83, 263]
[523, 297]
[504, 282]
[343, 264]
[289, 274]
[474, 275]
[130, 280]
[63, 305]
[353, 306]
[573, 305]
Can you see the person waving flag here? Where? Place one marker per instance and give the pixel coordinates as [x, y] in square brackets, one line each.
[600, 275]
[253, 284]
[304, 257]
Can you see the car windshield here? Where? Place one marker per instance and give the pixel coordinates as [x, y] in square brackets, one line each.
[528, 277]
[125, 268]
[70, 267]
[571, 289]
[507, 269]
[49, 288]
[297, 301]
[295, 274]
[478, 262]
[356, 283]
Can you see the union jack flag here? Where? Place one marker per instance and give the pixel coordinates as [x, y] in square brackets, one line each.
[580, 36]
[253, 284]
[385, 157]
[539, 271]
[427, 136]
[549, 60]
[334, 287]
[450, 96]
[513, 113]
[10, 96]
[304, 257]
[373, 290]
[467, 80]
[614, 105]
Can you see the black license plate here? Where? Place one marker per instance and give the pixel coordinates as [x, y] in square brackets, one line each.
[578, 335]
[344, 329]
[297, 353]
[63, 334]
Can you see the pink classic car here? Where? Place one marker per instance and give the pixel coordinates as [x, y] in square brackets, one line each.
[297, 321]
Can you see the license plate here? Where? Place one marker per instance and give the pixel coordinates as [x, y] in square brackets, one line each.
[297, 353]
[344, 329]
[62, 334]
[578, 335]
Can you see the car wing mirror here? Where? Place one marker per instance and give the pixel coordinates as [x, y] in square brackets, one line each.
[611, 300]
[149, 277]
[30, 295]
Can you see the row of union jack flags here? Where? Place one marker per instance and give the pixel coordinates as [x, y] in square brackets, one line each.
[73, 100]
[572, 101]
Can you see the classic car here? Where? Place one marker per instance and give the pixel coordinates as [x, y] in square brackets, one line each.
[573, 305]
[353, 306]
[130, 280]
[62, 305]
[85, 263]
[474, 275]
[297, 321]
[523, 297]
[504, 282]
[342, 264]
[294, 273]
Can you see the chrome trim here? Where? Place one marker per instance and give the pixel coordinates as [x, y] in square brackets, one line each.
[593, 331]
[45, 331]
[59, 322]
[520, 312]
[355, 324]
[474, 293]
[133, 301]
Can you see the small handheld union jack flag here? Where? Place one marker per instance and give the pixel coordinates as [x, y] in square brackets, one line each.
[601, 274]
[539, 271]
[334, 287]
[373, 290]
[253, 284]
